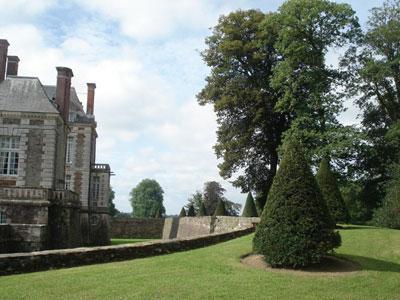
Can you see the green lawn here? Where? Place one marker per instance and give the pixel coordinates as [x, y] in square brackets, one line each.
[215, 272]
[128, 241]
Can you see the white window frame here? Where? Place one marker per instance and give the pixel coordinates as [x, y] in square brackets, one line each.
[9, 155]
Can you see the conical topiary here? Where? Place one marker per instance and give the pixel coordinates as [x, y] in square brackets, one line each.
[202, 210]
[220, 210]
[331, 193]
[182, 213]
[191, 212]
[296, 228]
[249, 208]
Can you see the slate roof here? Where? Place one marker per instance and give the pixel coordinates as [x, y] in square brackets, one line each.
[25, 94]
[74, 105]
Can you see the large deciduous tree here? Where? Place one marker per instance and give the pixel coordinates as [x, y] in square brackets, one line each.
[147, 199]
[310, 88]
[242, 58]
[268, 72]
[374, 67]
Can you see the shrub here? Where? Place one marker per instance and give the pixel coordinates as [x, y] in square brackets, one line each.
[330, 191]
[249, 208]
[388, 215]
[191, 212]
[220, 210]
[202, 210]
[182, 213]
[351, 192]
[296, 228]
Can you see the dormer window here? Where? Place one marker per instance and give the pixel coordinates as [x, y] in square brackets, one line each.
[9, 155]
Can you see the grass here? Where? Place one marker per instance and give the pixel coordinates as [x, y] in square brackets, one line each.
[128, 241]
[216, 272]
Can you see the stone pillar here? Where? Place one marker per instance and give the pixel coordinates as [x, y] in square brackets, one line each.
[12, 65]
[90, 99]
[3, 58]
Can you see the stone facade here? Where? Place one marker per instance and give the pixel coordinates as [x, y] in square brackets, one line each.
[47, 164]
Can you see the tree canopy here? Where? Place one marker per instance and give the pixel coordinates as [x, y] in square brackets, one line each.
[212, 194]
[268, 74]
[111, 206]
[147, 199]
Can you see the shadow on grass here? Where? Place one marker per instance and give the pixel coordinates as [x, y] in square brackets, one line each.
[372, 264]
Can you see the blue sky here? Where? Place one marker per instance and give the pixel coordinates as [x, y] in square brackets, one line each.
[144, 57]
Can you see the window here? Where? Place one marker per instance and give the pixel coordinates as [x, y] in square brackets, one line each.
[70, 146]
[94, 220]
[3, 219]
[96, 190]
[9, 155]
[68, 182]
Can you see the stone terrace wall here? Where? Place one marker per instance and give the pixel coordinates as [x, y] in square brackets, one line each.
[137, 228]
[5, 238]
[195, 226]
[45, 260]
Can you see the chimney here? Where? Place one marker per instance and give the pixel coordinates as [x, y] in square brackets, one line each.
[63, 91]
[90, 99]
[12, 65]
[3, 58]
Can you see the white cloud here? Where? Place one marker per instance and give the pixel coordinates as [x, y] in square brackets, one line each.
[151, 19]
[16, 10]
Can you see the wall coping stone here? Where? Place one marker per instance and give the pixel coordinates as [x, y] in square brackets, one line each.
[15, 263]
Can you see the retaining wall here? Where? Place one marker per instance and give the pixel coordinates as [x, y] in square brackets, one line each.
[45, 260]
[137, 228]
[171, 228]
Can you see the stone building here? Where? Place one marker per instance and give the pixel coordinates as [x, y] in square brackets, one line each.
[52, 193]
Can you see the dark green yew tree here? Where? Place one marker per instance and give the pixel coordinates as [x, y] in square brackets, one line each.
[250, 207]
[191, 212]
[202, 210]
[220, 210]
[296, 228]
[182, 213]
[330, 191]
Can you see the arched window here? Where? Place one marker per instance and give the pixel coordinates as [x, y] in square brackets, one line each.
[3, 219]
